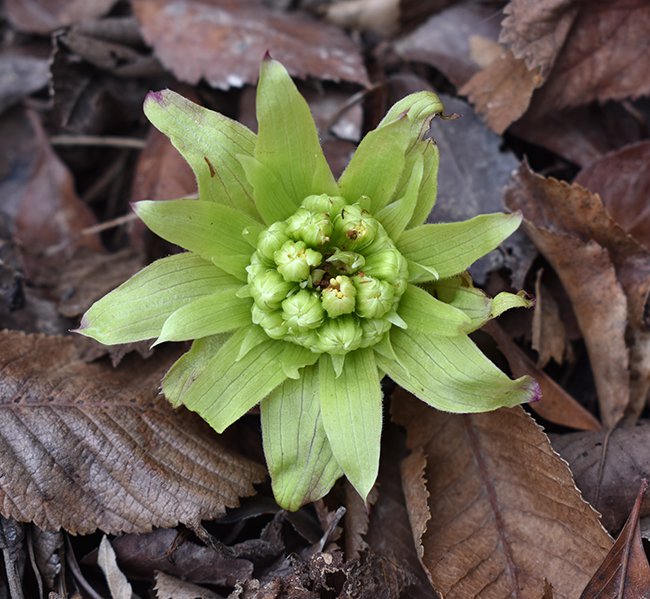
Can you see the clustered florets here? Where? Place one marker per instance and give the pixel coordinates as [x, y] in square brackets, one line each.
[328, 278]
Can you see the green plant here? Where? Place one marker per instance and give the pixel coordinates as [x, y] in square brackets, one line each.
[301, 292]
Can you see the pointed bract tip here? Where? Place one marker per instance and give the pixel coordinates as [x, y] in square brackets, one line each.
[534, 390]
[267, 56]
[153, 96]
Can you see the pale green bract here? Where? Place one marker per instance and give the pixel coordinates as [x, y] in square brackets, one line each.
[301, 292]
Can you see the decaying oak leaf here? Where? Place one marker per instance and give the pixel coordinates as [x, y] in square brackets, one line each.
[505, 515]
[187, 35]
[83, 446]
[625, 572]
[604, 271]
[608, 468]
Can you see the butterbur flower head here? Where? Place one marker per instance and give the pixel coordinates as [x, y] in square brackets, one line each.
[300, 291]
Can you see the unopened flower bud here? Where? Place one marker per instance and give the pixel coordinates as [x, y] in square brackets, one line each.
[271, 240]
[346, 262]
[374, 296]
[373, 330]
[354, 228]
[339, 297]
[314, 228]
[324, 203]
[271, 321]
[302, 311]
[340, 335]
[269, 289]
[295, 260]
[388, 264]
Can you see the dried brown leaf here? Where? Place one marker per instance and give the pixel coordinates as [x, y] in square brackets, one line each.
[48, 549]
[502, 91]
[389, 531]
[556, 405]
[581, 134]
[604, 57]
[549, 336]
[84, 446]
[608, 468]
[118, 585]
[187, 35]
[505, 513]
[50, 217]
[622, 179]
[43, 16]
[170, 587]
[570, 227]
[449, 40]
[164, 551]
[625, 572]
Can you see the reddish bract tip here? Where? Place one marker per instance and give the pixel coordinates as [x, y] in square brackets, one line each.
[536, 392]
[267, 56]
[154, 97]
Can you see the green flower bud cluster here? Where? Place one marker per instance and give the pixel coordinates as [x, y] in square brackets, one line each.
[328, 278]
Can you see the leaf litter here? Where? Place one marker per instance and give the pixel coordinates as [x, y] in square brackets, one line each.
[565, 82]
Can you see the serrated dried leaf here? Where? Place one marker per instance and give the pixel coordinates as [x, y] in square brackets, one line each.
[625, 572]
[608, 467]
[83, 446]
[505, 512]
[187, 34]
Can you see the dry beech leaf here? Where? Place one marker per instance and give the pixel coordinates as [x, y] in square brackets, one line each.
[557, 405]
[43, 16]
[608, 468]
[83, 446]
[502, 91]
[170, 587]
[625, 572]
[505, 513]
[187, 35]
[622, 179]
[447, 39]
[118, 585]
[570, 227]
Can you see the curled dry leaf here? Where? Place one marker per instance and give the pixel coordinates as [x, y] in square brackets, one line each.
[625, 572]
[590, 254]
[549, 336]
[85, 447]
[608, 468]
[505, 513]
[187, 35]
[43, 16]
[48, 551]
[557, 405]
